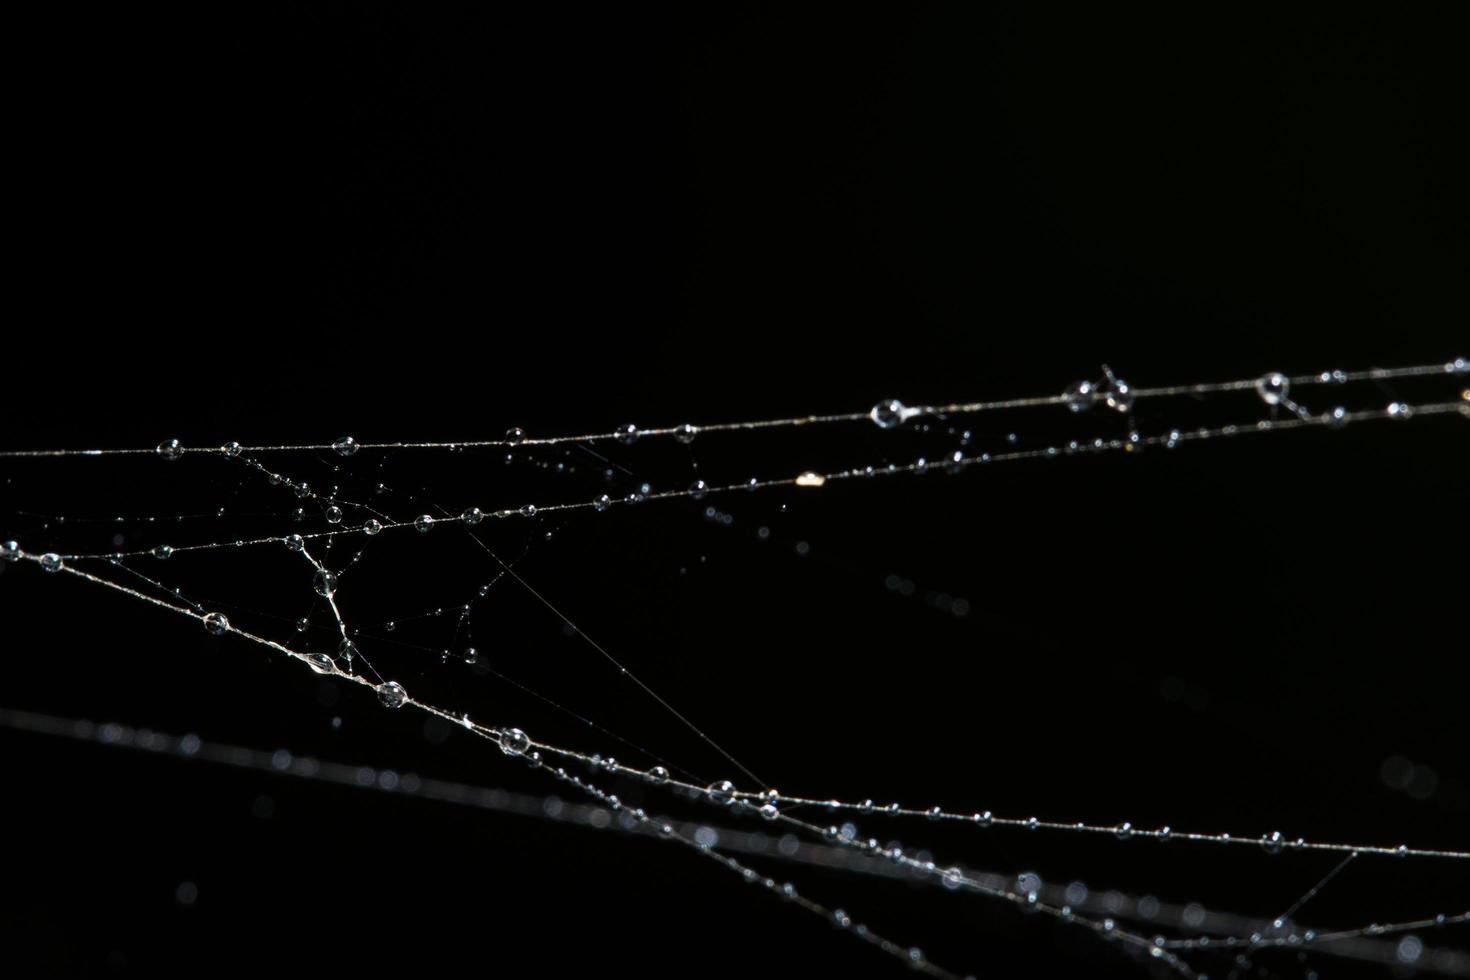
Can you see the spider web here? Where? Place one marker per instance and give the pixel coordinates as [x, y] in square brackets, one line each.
[396, 567]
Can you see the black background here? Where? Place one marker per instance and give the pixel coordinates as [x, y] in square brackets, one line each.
[291, 226]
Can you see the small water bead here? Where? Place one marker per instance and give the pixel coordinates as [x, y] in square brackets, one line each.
[1081, 396]
[1117, 394]
[302, 490]
[1272, 843]
[721, 792]
[231, 449]
[891, 413]
[513, 741]
[392, 694]
[217, 623]
[515, 436]
[1032, 823]
[1273, 387]
[294, 542]
[424, 523]
[602, 503]
[628, 434]
[698, 489]
[346, 650]
[984, 819]
[769, 812]
[10, 551]
[371, 526]
[163, 551]
[345, 446]
[1400, 410]
[471, 655]
[303, 624]
[319, 662]
[685, 433]
[334, 514]
[324, 583]
[170, 449]
[51, 562]
[472, 516]
[658, 775]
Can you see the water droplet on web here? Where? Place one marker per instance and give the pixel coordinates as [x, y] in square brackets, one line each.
[891, 413]
[628, 434]
[321, 663]
[721, 792]
[162, 551]
[529, 510]
[371, 526]
[1337, 418]
[1273, 387]
[324, 583]
[230, 449]
[1400, 410]
[513, 741]
[392, 694]
[1080, 396]
[472, 516]
[51, 562]
[10, 551]
[657, 775]
[294, 542]
[334, 514]
[170, 449]
[346, 650]
[769, 812]
[424, 523]
[345, 446]
[685, 433]
[471, 655]
[1272, 843]
[698, 489]
[216, 623]
[1116, 392]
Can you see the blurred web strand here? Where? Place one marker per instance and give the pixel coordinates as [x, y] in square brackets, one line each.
[281, 762]
[1273, 389]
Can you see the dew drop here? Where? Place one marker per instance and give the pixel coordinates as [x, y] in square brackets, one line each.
[1400, 410]
[10, 551]
[424, 523]
[1080, 396]
[722, 792]
[231, 449]
[1337, 418]
[1271, 843]
[698, 489]
[515, 436]
[162, 551]
[170, 449]
[769, 812]
[346, 650]
[472, 516]
[890, 414]
[51, 562]
[392, 694]
[324, 582]
[513, 741]
[1117, 394]
[371, 526]
[628, 434]
[602, 503]
[529, 510]
[345, 446]
[216, 623]
[334, 514]
[294, 542]
[658, 775]
[685, 433]
[1273, 387]
[321, 663]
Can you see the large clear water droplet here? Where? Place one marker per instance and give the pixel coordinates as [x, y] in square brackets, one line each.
[345, 446]
[371, 526]
[392, 694]
[231, 449]
[515, 436]
[294, 542]
[324, 582]
[891, 413]
[319, 662]
[685, 433]
[217, 623]
[170, 449]
[10, 551]
[51, 562]
[1273, 387]
[513, 741]
[424, 523]
[472, 516]
[721, 792]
